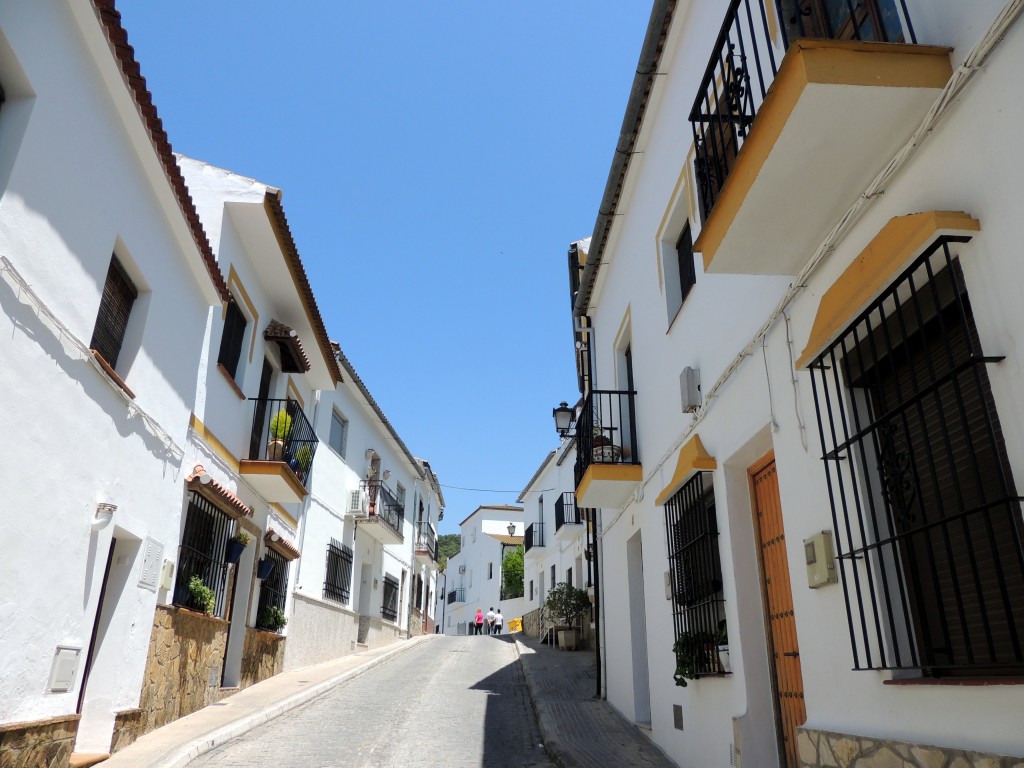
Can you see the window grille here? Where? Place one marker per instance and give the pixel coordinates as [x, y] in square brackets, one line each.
[201, 553]
[274, 588]
[684, 261]
[695, 569]
[338, 584]
[389, 608]
[927, 517]
[231, 339]
[119, 294]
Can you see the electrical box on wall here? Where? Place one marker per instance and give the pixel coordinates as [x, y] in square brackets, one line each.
[689, 389]
[166, 574]
[821, 560]
[64, 669]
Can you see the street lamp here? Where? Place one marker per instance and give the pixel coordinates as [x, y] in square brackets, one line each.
[563, 417]
[511, 529]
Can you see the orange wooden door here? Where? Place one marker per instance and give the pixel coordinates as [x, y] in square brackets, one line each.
[783, 649]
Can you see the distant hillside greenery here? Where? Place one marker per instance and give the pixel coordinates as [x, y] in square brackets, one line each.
[448, 545]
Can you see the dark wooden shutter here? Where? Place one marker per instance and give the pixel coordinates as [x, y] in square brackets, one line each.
[684, 256]
[231, 340]
[119, 294]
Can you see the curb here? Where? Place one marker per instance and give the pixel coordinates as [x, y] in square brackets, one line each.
[558, 753]
[188, 752]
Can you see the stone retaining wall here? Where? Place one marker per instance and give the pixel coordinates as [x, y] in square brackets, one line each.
[531, 623]
[127, 728]
[38, 743]
[262, 656]
[823, 749]
[186, 652]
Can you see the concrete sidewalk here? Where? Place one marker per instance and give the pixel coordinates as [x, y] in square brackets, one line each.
[177, 744]
[580, 731]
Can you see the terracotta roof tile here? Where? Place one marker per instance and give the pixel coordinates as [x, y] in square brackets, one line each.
[282, 545]
[286, 336]
[217, 492]
[117, 37]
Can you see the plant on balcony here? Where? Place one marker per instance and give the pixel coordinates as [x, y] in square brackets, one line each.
[272, 618]
[696, 654]
[236, 546]
[203, 598]
[280, 431]
[303, 458]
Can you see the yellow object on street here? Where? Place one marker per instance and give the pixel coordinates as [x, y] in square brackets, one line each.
[515, 625]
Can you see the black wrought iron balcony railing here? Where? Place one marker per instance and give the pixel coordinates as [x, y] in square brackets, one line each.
[457, 595]
[566, 511]
[746, 58]
[386, 506]
[606, 430]
[534, 536]
[426, 540]
[280, 432]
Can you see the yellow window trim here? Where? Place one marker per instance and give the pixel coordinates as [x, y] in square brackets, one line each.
[819, 62]
[211, 440]
[293, 391]
[693, 457]
[895, 246]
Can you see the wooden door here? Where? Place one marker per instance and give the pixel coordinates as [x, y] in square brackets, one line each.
[783, 650]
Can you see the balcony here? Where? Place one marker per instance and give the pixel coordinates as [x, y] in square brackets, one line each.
[839, 89]
[281, 450]
[568, 518]
[426, 545]
[457, 595]
[386, 516]
[534, 537]
[607, 461]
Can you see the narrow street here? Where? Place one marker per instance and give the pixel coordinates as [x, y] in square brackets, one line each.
[454, 701]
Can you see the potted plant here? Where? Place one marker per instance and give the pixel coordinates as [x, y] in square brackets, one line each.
[236, 546]
[604, 450]
[203, 598]
[696, 655]
[280, 431]
[567, 603]
[301, 461]
[723, 647]
[272, 618]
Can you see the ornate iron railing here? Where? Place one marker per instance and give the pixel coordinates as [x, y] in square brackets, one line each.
[457, 595]
[606, 430]
[534, 536]
[386, 507]
[566, 511]
[426, 540]
[280, 432]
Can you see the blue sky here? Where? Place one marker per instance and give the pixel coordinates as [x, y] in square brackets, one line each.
[436, 160]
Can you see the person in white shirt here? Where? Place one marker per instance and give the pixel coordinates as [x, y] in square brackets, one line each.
[498, 621]
[490, 621]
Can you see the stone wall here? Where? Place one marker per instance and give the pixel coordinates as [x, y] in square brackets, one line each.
[262, 656]
[531, 623]
[39, 743]
[186, 653]
[415, 623]
[318, 631]
[823, 749]
[127, 728]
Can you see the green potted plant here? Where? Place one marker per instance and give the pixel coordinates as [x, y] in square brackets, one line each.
[567, 604]
[236, 546]
[272, 618]
[280, 431]
[696, 655]
[203, 598]
[303, 458]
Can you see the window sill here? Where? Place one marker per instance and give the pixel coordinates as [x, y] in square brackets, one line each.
[956, 681]
[234, 385]
[112, 374]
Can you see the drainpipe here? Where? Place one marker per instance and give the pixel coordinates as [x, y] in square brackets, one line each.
[598, 614]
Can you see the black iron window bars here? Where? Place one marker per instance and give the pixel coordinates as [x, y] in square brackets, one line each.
[745, 61]
[534, 536]
[926, 513]
[695, 570]
[457, 595]
[389, 607]
[338, 580]
[273, 589]
[566, 512]
[201, 553]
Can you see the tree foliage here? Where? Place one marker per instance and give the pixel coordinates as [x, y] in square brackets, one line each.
[512, 571]
[448, 545]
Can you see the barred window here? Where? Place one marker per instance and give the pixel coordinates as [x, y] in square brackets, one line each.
[389, 608]
[927, 517]
[119, 294]
[338, 582]
[274, 588]
[201, 553]
[231, 339]
[695, 569]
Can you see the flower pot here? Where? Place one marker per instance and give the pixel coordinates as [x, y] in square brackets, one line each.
[275, 450]
[606, 454]
[264, 568]
[723, 658]
[568, 639]
[233, 552]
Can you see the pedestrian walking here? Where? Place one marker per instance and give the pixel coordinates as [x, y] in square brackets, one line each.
[498, 621]
[479, 621]
[490, 620]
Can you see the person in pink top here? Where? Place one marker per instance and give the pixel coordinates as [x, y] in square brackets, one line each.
[479, 622]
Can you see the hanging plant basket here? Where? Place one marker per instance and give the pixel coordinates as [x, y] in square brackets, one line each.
[233, 552]
[264, 568]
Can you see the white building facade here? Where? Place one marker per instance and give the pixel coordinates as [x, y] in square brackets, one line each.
[800, 424]
[473, 577]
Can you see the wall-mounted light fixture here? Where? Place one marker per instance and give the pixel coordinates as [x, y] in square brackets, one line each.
[104, 513]
[370, 453]
[511, 529]
[387, 473]
[563, 417]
